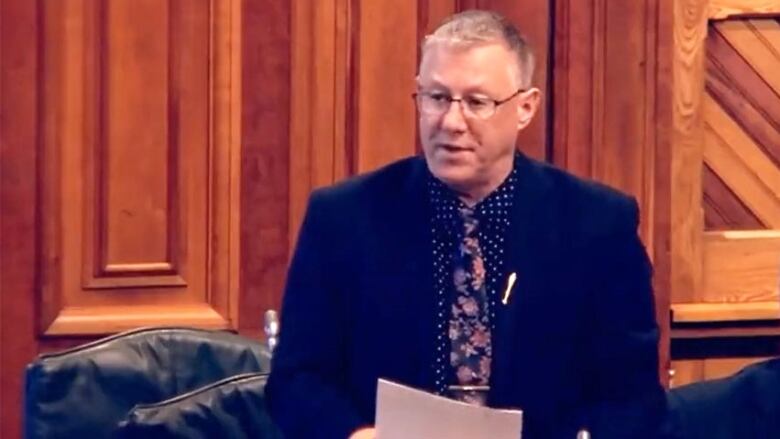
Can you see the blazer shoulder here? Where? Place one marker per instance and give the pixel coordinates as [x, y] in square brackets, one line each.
[586, 206]
[381, 184]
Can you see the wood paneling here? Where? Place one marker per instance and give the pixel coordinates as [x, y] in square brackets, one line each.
[19, 76]
[137, 146]
[687, 223]
[741, 164]
[748, 99]
[725, 312]
[322, 75]
[265, 158]
[431, 13]
[612, 114]
[601, 133]
[720, 9]
[758, 42]
[743, 267]
[724, 284]
[534, 19]
[572, 91]
[736, 271]
[208, 38]
[741, 270]
[384, 113]
[723, 210]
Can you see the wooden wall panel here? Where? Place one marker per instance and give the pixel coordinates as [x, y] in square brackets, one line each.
[720, 9]
[35, 65]
[602, 130]
[322, 72]
[734, 302]
[741, 279]
[265, 158]
[431, 13]
[741, 164]
[384, 115]
[612, 113]
[19, 110]
[534, 19]
[740, 272]
[686, 161]
[723, 210]
[136, 181]
[743, 267]
[733, 83]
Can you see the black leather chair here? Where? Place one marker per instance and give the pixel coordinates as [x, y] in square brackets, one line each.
[86, 391]
[232, 408]
[744, 405]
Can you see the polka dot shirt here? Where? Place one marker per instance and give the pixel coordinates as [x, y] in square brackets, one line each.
[493, 214]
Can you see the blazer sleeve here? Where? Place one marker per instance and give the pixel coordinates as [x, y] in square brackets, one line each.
[625, 394]
[306, 389]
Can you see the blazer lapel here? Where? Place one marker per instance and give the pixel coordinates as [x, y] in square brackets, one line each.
[411, 245]
[530, 241]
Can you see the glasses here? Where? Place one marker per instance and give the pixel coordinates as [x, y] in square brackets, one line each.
[436, 103]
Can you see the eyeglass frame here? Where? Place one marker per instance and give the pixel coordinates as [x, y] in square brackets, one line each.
[464, 110]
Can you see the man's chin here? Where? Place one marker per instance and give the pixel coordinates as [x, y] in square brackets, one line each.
[456, 177]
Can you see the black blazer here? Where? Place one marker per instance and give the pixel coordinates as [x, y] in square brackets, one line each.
[575, 346]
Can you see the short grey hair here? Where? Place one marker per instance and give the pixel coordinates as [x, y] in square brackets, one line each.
[475, 27]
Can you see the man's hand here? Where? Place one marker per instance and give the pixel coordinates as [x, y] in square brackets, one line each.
[364, 433]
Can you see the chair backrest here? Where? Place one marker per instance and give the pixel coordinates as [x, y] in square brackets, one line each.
[232, 408]
[744, 405]
[86, 391]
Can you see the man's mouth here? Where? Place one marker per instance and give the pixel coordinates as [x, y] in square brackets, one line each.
[449, 147]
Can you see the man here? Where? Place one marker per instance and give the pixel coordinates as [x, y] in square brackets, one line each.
[475, 273]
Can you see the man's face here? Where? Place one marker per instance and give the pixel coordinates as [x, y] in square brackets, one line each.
[469, 154]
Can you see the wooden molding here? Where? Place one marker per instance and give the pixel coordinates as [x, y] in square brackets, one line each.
[322, 78]
[742, 266]
[725, 312]
[224, 247]
[686, 214]
[109, 320]
[722, 9]
[741, 273]
[140, 171]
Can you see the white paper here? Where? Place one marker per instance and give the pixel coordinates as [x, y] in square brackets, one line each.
[406, 413]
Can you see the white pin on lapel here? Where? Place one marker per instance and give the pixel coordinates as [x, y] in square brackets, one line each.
[509, 284]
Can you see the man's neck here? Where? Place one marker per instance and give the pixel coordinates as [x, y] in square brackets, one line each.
[474, 196]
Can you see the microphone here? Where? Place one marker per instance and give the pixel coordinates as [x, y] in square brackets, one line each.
[271, 329]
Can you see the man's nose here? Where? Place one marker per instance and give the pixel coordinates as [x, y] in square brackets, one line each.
[453, 118]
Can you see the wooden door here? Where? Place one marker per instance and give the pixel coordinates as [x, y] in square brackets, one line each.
[725, 242]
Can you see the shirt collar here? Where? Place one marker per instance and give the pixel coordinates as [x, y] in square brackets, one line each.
[493, 209]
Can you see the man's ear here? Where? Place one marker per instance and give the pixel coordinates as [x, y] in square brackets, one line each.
[527, 106]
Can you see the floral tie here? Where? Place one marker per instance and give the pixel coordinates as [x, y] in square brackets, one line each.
[469, 325]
